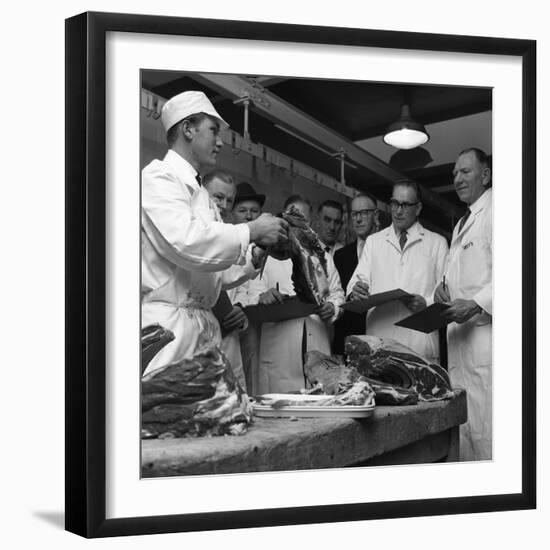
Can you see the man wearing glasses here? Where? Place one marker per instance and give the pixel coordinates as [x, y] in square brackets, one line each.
[363, 221]
[404, 255]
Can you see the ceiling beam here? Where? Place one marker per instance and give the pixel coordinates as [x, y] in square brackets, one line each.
[281, 112]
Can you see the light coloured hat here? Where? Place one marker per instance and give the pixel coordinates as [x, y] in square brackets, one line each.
[186, 104]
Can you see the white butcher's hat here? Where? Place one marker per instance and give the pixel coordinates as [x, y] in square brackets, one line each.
[186, 104]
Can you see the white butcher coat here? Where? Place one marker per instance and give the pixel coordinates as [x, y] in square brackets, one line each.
[281, 364]
[416, 269]
[184, 250]
[469, 275]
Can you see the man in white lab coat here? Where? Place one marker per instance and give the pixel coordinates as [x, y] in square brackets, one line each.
[184, 248]
[283, 344]
[468, 287]
[404, 255]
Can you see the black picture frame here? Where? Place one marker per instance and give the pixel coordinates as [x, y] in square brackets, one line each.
[86, 268]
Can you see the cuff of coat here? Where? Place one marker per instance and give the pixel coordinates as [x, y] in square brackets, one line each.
[337, 311]
[484, 301]
[243, 233]
[249, 269]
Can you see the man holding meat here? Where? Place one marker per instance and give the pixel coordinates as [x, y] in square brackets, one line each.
[405, 255]
[184, 247]
[468, 288]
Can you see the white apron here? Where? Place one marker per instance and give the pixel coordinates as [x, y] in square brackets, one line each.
[184, 249]
[282, 344]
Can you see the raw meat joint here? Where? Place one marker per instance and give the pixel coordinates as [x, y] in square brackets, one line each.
[309, 266]
[153, 339]
[389, 362]
[194, 397]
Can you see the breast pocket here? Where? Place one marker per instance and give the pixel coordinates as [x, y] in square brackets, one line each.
[474, 264]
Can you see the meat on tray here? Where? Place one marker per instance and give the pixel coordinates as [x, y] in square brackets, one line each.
[390, 362]
[334, 376]
[194, 397]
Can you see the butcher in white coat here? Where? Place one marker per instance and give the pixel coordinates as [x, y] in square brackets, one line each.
[404, 255]
[184, 248]
[468, 287]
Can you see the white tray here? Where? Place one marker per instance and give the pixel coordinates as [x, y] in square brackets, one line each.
[310, 411]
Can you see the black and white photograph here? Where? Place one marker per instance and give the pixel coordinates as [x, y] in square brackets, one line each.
[316, 273]
[297, 294]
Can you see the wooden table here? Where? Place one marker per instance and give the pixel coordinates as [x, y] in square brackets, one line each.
[426, 432]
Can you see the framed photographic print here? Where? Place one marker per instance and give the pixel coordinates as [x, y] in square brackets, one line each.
[293, 110]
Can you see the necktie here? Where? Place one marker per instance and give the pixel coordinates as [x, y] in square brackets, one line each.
[199, 179]
[327, 249]
[463, 220]
[402, 239]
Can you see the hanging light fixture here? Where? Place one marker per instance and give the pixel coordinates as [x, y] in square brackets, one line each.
[406, 133]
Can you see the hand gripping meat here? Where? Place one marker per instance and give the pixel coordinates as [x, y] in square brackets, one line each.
[309, 266]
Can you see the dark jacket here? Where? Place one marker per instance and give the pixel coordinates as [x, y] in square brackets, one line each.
[345, 260]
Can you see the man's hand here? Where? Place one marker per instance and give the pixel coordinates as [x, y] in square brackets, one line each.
[267, 230]
[271, 296]
[360, 291]
[442, 294]
[326, 311]
[461, 310]
[234, 320]
[258, 256]
[414, 303]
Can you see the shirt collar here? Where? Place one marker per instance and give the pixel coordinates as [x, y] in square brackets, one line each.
[415, 231]
[482, 201]
[183, 169]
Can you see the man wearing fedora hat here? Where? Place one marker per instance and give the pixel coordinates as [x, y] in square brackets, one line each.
[248, 204]
[185, 246]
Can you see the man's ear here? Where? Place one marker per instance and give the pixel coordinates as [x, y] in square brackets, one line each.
[186, 129]
[418, 209]
[486, 176]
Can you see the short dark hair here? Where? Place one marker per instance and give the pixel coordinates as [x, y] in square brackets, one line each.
[480, 155]
[482, 158]
[172, 133]
[411, 184]
[293, 199]
[331, 204]
[220, 174]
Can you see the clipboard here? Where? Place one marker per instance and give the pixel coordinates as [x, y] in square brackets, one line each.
[427, 320]
[291, 308]
[362, 306]
[222, 308]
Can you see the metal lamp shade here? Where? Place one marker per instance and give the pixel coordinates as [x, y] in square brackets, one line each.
[406, 133]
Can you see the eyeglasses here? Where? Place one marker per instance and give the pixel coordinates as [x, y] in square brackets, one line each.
[362, 213]
[395, 205]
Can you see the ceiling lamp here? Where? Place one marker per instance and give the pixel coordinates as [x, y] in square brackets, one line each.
[406, 133]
